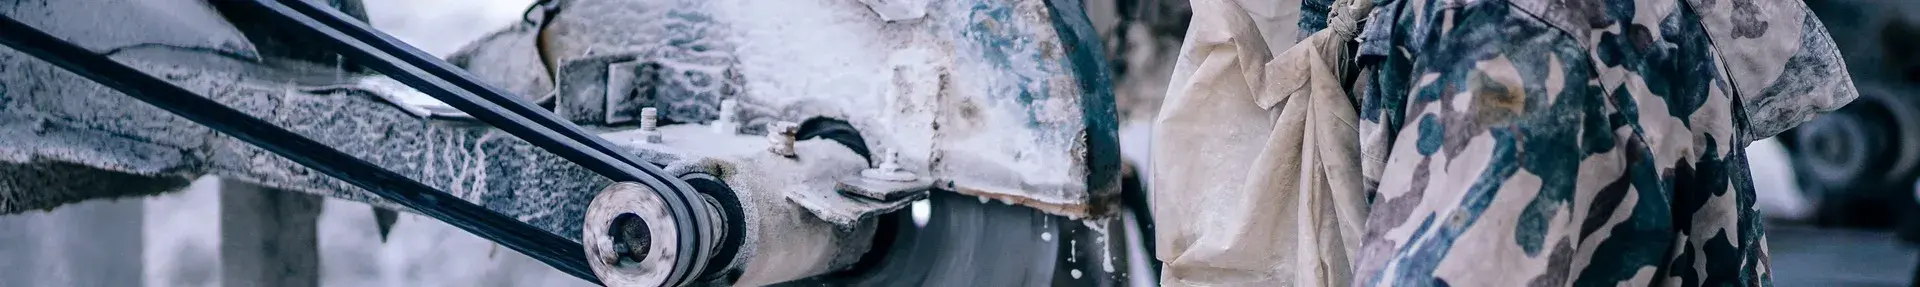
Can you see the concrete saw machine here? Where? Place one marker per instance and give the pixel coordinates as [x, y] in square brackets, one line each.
[624, 142]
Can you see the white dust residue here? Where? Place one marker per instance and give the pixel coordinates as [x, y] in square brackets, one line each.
[182, 236]
[841, 54]
[922, 211]
[1099, 228]
[1073, 250]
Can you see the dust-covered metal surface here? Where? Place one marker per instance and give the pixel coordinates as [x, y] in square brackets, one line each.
[473, 162]
[982, 95]
[1003, 99]
[1000, 98]
[102, 144]
[115, 26]
[52, 157]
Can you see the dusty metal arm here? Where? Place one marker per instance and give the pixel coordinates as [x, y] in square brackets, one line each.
[958, 112]
[537, 186]
[556, 251]
[505, 111]
[448, 83]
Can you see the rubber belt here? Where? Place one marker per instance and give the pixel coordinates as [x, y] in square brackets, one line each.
[556, 251]
[512, 114]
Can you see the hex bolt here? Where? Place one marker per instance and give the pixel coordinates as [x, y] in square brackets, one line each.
[650, 125]
[726, 123]
[649, 118]
[890, 161]
[780, 138]
[889, 169]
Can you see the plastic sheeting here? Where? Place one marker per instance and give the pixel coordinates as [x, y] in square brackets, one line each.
[1255, 158]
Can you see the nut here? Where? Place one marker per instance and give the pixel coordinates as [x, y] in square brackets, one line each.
[889, 169]
[780, 138]
[726, 124]
[650, 125]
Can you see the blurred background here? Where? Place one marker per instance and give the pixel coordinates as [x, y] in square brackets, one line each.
[1839, 192]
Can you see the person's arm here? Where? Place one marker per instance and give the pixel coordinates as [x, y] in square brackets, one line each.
[1313, 16]
[1502, 128]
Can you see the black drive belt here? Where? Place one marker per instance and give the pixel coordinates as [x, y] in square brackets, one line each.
[430, 75]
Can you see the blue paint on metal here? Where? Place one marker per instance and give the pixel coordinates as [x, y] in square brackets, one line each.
[994, 29]
[1086, 58]
[1007, 44]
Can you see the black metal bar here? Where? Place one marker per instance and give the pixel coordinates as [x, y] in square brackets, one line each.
[500, 109]
[556, 251]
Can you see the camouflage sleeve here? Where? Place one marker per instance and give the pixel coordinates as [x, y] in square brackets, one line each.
[1780, 59]
[1532, 157]
[1502, 126]
[1313, 17]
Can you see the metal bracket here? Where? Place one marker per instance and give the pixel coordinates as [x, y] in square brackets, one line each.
[884, 190]
[823, 177]
[625, 90]
[850, 201]
[611, 88]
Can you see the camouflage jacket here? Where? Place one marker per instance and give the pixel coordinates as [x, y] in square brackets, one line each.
[1577, 142]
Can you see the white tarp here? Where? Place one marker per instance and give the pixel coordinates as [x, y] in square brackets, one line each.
[1255, 159]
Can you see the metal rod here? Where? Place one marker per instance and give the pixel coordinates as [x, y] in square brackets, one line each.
[556, 251]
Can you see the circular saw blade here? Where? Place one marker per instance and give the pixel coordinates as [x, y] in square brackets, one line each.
[966, 241]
